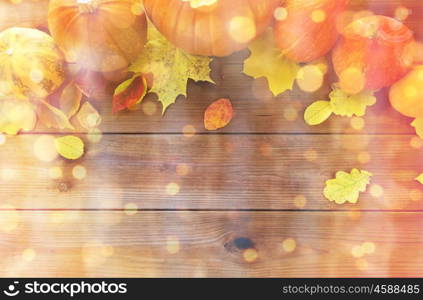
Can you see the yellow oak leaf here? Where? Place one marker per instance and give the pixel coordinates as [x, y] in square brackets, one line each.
[418, 125]
[70, 146]
[267, 61]
[347, 105]
[347, 186]
[171, 68]
[16, 116]
[317, 112]
[419, 178]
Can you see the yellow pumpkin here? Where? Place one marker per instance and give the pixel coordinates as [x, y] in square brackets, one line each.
[100, 35]
[23, 13]
[211, 27]
[31, 66]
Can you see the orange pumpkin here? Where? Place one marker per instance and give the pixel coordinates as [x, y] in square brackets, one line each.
[306, 29]
[100, 35]
[211, 27]
[23, 13]
[374, 52]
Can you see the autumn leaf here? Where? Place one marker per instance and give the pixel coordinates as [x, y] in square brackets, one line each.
[129, 93]
[88, 117]
[418, 125]
[419, 178]
[16, 116]
[344, 104]
[171, 68]
[70, 100]
[52, 117]
[218, 114]
[70, 147]
[317, 112]
[347, 186]
[267, 61]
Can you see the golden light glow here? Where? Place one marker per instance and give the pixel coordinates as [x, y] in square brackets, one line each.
[376, 190]
[95, 135]
[310, 155]
[416, 142]
[189, 131]
[79, 172]
[9, 220]
[362, 264]
[368, 247]
[352, 81]
[149, 108]
[55, 172]
[357, 123]
[310, 78]
[172, 245]
[172, 189]
[318, 15]
[290, 113]
[250, 255]
[300, 201]
[242, 29]
[402, 13]
[36, 75]
[289, 245]
[280, 13]
[357, 251]
[363, 157]
[28, 255]
[45, 149]
[182, 169]
[131, 209]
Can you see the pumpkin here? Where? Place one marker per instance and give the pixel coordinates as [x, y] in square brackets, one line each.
[100, 35]
[373, 53]
[306, 30]
[31, 66]
[211, 27]
[406, 95]
[23, 13]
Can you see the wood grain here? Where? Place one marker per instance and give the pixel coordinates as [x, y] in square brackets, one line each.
[213, 244]
[222, 172]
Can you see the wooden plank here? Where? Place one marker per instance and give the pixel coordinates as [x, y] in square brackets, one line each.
[256, 110]
[210, 244]
[211, 172]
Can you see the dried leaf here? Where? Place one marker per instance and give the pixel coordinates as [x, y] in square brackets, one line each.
[344, 104]
[70, 100]
[88, 117]
[70, 146]
[171, 68]
[16, 116]
[218, 114]
[267, 61]
[419, 178]
[347, 186]
[317, 112]
[129, 93]
[418, 125]
[52, 117]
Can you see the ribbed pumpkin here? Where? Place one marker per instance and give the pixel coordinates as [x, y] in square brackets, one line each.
[306, 29]
[100, 35]
[23, 13]
[31, 66]
[211, 27]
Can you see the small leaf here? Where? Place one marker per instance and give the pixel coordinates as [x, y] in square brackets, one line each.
[344, 104]
[70, 146]
[129, 93]
[267, 61]
[52, 117]
[347, 186]
[88, 117]
[16, 115]
[218, 114]
[419, 178]
[418, 125]
[70, 100]
[317, 112]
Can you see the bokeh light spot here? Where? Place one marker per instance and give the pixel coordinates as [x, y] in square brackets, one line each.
[289, 245]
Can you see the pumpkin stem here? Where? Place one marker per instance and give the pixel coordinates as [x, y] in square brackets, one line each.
[88, 6]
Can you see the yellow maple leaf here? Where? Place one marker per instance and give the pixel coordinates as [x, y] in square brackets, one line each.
[347, 186]
[344, 104]
[16, 116]
[419, 178]
[171, 67]
[266, 60]
[317, 112]
[418, 125]
[70, 146]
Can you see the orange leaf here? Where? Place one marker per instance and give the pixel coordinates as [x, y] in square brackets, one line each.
[129, 93]
[218, 114]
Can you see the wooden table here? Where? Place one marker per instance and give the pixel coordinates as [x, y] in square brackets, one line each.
[160, 200]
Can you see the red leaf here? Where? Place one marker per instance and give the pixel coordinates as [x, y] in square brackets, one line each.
[218, 114]
[129, 93]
